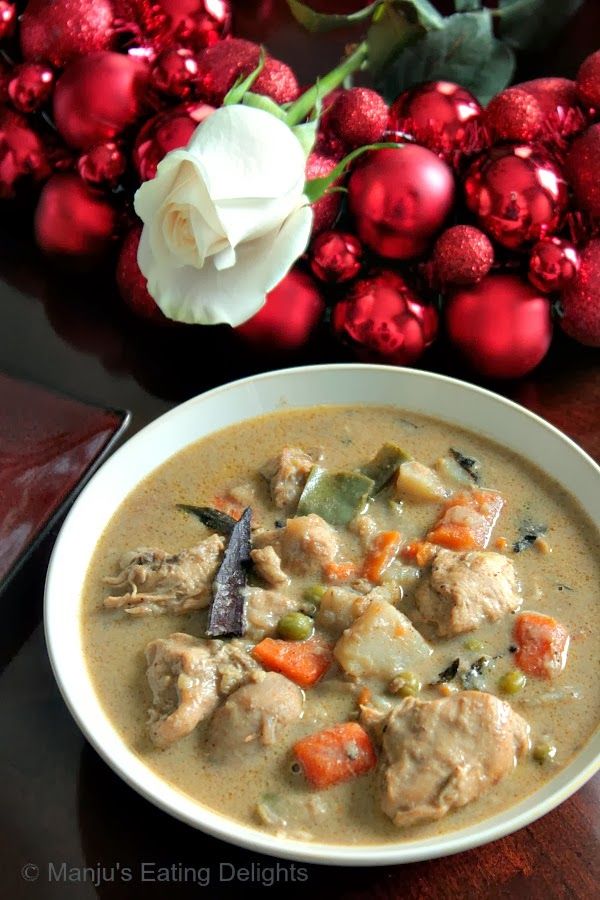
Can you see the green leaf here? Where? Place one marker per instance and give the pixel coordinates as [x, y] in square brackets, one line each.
[237, 93]
[464, 51]
[533, 23]
[467, 5]
[396, 24]
[316, 21]
[317, 187]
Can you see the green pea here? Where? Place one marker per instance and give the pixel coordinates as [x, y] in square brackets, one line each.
[513, 682]
[544, 751]
[314, 593]
[474, 645]
[295, 626]
[406, 684]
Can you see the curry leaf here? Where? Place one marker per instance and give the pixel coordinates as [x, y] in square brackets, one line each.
[212, 518]
[533, 23]
[316, 21]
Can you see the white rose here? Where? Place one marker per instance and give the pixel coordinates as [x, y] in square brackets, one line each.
[225, 218]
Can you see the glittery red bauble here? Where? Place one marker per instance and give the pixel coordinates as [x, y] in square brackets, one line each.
[588, 81]
[462, 255]
[23, 155]
[167, 130]
[336, 256]
[58, 32]
[99, 96]
[517, 192]
[289, 317]
[219, 67]
[325, 210]
[8, 19]
[72, 221]
[581, 299]
[399, 199]
[514, 115]
[132, 284]
[385, 321]
[174, 72]
[582, 169]
[31, 86]
[502, 325]
[552, 264]
[559, 102]
[436, 114]
[359, 116]
[5, 78]
[103, 165]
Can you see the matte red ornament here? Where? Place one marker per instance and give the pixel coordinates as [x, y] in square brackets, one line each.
[99, 96]
[552, 264]
[167, 130]
[514, 115]
[23, 154]
[175, 72]
[58, 32]
[384, 320]
[559, 102]
[502, 326]
[31, 86]
[71, 221]
[399, 199]
[132, 285]
[325, 210]
[289, 317]
[462, 255]
[517, 192]
[582, 167]
[8, 19]
[336, 256]
[359, 116]
[102, 166]
[588, 81]
[580, 300]
[220, 66]
[437, 114]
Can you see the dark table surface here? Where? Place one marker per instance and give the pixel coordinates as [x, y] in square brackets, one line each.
[59, 803]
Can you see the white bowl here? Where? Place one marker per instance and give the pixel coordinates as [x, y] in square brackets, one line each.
[455, 401]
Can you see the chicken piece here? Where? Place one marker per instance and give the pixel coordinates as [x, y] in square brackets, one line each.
[340, 607]
[264, 609]
[287, 475]
[465, 590]
[380, 643]
[365, 528]
[159, 582]
[254, 717]
[305, 545]
[187, 676]
[268, 566]
[439, 755]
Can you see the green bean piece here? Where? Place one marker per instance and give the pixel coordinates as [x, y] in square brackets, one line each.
[295, 626]
[383, 466]
[544, 751]
[406, 684]
[513, 682]
[335, 496]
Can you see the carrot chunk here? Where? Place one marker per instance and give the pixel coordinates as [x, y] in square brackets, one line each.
[419, 552]
[542, 645]
[336, 754]
[467, 520]
[303, 662]
[341, 571]
[384, 550]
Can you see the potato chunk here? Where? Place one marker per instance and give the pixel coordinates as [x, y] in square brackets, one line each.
[380, 643]
[420, 483]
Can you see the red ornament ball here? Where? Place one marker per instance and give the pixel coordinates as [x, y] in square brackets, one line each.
[289, 317]
[8, 19]
[5, 79]
[514, 115]
[552, 264]
[517, 192]
[31, 86]
[220, 66]
[99, 96]
[336, 256]
[167, 130]
[359, 116]
[399, 199]
[502, 326]
[23, 154]
[102, 166]
[191, 23]
[58, 32]
[582, 170]
[588, 81]
[436, 114]
[581, 299]
[325, 210]
[175, 72]
[73, 222]
[462, 255]
[559, 103]
[385, 321]
[132, 285]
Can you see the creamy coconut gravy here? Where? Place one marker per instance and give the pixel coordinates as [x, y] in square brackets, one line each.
[264, 783]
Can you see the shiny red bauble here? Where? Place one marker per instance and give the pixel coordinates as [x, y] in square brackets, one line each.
[502, 326]
[132, 285]
[72, 222]
[193, 23]
[582, 167]
[336, 256]
[436, 114]
[8, 19]
[399, 199]
[462, 255]
[167, 130]
[99, 96]
[580, 300]
[57, 32]
[102, 166]
[175, 72]
[289, 318]
[23, 154]
[220, 66]
[31, 86]
[553, 264]
[588, 81]
[384, 320]
[358, 117]
[517, 192]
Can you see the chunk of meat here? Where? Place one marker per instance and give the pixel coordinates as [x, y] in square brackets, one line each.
[268, 565]
[264, 609]
[287, 475]
[365, 528]
[159, 582]
[305, 546]
[465, 590]
[187, 676]
[439, 755]
[254, 716]
[339, 608]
